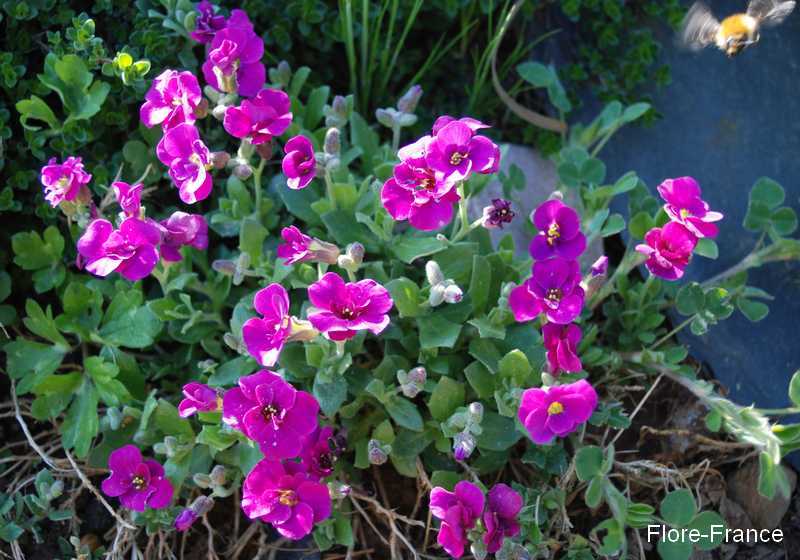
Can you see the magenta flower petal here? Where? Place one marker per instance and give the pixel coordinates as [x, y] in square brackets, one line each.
[500, 517]
[188, 160]
[561, 343]
[299, 164]
[559, 232]
[63, 181]
[138, 484]
[668, 250]
[344, 308]
[260, 118]
[684, 205]
[557, 411]
[171, 100]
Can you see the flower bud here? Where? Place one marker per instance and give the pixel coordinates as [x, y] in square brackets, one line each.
[353, 257]
[202, 480]
[413, 382]
[404, 120]
[201, 111]
[463, 445]
[172, 446]
[333, 142]
[556, 195]
[338, 490]
[114, 417]
[324, 251]
[436, 297]
[55, 490]
[337, 113]
[218, 112]
[218, 475]
[281, 75]
[497, 214]
[476, 412]
[547, 379]
[243, 171]
[386, 117]
[265, 150]
[600, 266]
[377, 452]
[220, 159]
[224, 266]
[433, 273]
[202, 505]
[301, 331]
[453, 294]
[408, 103]
[184, 520]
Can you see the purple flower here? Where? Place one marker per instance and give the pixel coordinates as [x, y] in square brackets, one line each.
[207, 23]
[456, 151]
[129, 197]
[320, 452]
[561, 343]
[234, 59]
[198, 398]
[559, 232]
[171, 100]
[685, 206]
[299, 247]
[63, 181]
[266, 115]
[668, 250]
[473, 124]
[182, 229]
[342, 308]
[600, 266]
[497, 214]
[556, 411]
[184, 520]
[418, 195]
[553, 289]
[299, 164]
[138, 484]
[458, 510]
[188, 160]
[500, 518]
[292, 502]
[130, 250]
[265, 336]
[271, 412]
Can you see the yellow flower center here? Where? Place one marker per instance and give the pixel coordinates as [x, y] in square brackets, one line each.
[552, 233]
[287, 497]
[63, 182]
[138, 482]
[456, 158]
[268, 412]
[553, 294]
[685, 213]
[555, 408]
[427, 184]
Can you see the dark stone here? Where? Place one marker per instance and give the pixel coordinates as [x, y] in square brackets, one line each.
[728, 122]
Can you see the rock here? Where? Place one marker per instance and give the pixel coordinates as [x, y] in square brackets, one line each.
[743, 489]
[540, 182]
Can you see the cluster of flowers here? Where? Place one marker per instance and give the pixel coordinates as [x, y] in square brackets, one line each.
[423, 186]
[462, 510]
[669, 248]
[554, 290]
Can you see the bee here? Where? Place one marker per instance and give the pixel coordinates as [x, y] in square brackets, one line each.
[736, 32]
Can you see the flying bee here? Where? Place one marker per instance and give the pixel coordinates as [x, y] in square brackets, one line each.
[736, 32]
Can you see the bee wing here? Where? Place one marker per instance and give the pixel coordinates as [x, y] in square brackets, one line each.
[770, 12]
[699, 27]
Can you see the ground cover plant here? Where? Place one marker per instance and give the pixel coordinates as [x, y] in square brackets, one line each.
[270, 315]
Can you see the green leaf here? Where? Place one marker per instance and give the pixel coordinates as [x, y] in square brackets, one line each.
[331, 394]
[446, 397]
[72, 81]
[753, 310]
[784, 221]
[480, 379]
[445, 479]
[110, 390]
[344, 228]
[31, 362]
[216, 437]
[767, 192]
[588, 462]
[677, 550]
[794, 388]
[166, 418]
[43, 324]
[230, 372]
[33, 252]
[499, 433]
[480, 283]
[404, 413]
[35, 108]
[10, 531]
[131, 327]
[594, 491]
[634, 112]
[536, 74]
[614, 224]
[251, 238]
[640, 224]
[707, 248]
[690, 299]
[435, 331]
[678, 508]
[703, 523]
[314, 105]
[409, 248]
[81, 423]
[515, 365]
[405, 295]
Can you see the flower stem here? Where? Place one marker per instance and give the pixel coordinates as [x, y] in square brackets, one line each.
[670, 334]
[257, 189]
[395, 138]
[329, 189]
[629, 261]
